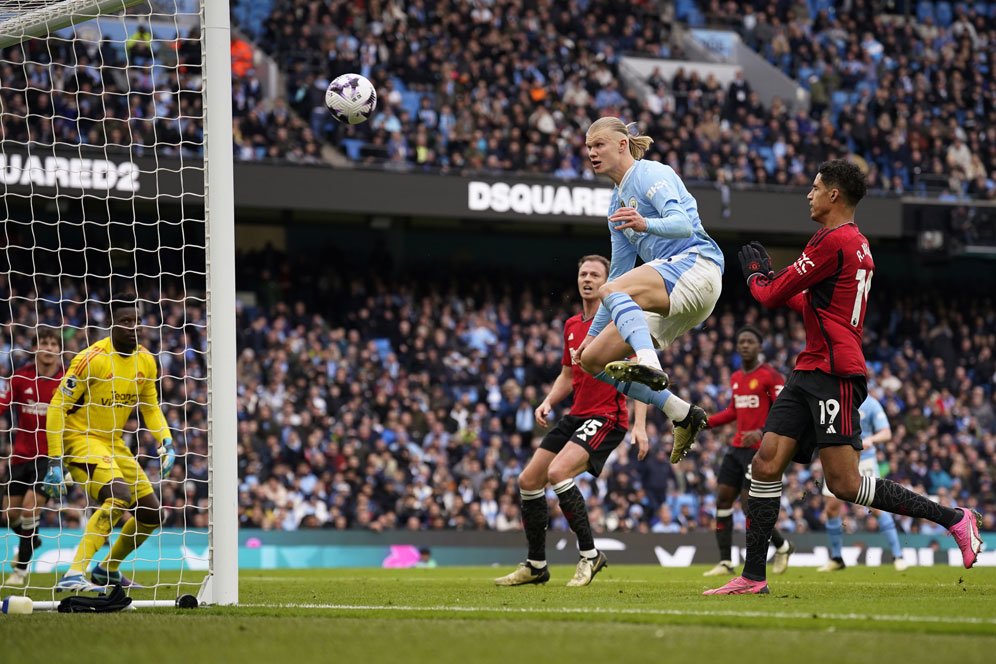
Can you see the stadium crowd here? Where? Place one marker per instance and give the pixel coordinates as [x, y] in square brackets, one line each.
[911, 95]
[375, 403]
[396, 405]
[139, 93]
[483, 87]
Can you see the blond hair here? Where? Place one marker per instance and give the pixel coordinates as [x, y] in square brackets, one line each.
[638, 143]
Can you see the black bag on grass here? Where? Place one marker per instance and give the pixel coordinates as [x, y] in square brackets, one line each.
[113, 600]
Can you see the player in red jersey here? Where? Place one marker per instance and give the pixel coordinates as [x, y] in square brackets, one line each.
[817, 411]
[755, 387]
[28, 393]
[582, 440]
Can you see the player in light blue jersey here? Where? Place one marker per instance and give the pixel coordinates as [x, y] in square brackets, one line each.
[875, 429]
[652, 217]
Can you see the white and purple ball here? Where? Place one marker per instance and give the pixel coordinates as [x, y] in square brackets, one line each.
[351, 99]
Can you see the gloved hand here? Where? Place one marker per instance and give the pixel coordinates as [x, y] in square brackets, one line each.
[167, 457]
[54, 482]
[754, 259]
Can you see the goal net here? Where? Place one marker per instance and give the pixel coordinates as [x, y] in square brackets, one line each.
[116, 175]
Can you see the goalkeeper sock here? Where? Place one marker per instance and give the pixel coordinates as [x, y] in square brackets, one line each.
[576, 513]
[132, 535]
[98, 529]
[632, 326]
[724, 533]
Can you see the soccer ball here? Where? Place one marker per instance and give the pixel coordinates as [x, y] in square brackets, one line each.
[351, 99]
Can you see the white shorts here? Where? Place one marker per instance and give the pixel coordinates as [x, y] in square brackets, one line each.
[866, 468]
[693, 298]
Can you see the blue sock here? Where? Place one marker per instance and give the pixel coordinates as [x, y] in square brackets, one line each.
[638, 391]
[888, 526]
[835, 531]
[629, 320]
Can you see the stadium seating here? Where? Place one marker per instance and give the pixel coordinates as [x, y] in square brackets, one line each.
[511, 97]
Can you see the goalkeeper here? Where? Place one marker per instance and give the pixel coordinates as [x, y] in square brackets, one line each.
[98, 394]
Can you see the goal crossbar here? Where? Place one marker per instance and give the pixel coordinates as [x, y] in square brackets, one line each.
[23, 19]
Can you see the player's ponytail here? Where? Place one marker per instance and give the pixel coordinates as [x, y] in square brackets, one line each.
[638, 143]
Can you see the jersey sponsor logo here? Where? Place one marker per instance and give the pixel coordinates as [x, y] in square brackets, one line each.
[655, 187]
[120, 399]
[70, 385]
[746, 401]
[803, 263]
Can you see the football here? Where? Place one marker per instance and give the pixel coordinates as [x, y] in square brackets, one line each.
[351, 99]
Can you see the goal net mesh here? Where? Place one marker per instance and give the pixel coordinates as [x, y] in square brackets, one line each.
[102, 174]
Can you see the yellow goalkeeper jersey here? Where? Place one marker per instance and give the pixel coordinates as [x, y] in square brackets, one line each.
[97, 395]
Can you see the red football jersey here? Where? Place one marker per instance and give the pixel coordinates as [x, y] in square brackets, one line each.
[753, 394]
[829, 285]
[29, 394]
[592, 397]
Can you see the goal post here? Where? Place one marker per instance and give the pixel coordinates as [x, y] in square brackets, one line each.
[116, 177]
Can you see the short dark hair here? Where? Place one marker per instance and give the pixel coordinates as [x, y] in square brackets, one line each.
[846, 176]
[596, 258]
[752, 330]
[47, 332]
[125, 301]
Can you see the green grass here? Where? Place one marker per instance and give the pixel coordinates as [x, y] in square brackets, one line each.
[629, 614]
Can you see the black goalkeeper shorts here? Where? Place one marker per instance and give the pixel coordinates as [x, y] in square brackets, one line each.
[818, 410]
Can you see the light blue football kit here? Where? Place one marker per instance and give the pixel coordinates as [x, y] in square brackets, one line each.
[676, 245]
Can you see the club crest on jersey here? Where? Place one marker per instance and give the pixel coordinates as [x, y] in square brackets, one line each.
[753, 383]
[632, 201]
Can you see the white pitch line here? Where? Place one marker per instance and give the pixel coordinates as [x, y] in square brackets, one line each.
[808, 615]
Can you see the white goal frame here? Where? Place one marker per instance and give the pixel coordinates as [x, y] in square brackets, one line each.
[220, 586]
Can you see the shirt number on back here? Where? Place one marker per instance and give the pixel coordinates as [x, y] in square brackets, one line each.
[864, 279]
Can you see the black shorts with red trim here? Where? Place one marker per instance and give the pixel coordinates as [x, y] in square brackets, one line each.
[597, 435]
[24, 477]
[818, 410]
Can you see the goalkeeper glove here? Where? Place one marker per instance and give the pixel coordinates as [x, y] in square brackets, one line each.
[167, 457]
[54, 483]
[754, 259]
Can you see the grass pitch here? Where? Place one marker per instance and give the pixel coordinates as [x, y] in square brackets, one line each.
[629, 614]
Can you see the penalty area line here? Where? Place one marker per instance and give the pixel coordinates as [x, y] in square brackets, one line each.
[789, 615]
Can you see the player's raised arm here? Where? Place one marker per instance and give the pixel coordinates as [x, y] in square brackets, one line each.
[673, 222]
[816, 263]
